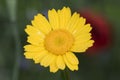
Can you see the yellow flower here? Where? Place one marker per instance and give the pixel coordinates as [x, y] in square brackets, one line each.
[53, 41]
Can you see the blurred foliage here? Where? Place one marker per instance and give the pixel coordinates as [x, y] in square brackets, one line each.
[103, 66]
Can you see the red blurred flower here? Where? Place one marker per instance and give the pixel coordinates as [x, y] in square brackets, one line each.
[101, 30]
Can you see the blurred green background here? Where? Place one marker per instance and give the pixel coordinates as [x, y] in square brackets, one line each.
[16, 14]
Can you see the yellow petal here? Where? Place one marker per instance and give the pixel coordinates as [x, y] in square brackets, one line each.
[76, 29]
[72, 23]
[64, 16]
[47, 60]
[41, 23]
[38, 57]
[34, 31]
[82, 38]
[35, 40]
[69, 65]
[85, 29]
[53, 67]
[60, 62]
[82, 47]
[53, 19]
[72, 58]
[33, 48]
[31, 55]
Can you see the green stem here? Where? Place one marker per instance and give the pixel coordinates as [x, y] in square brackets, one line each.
[65, 75]
[18, 52]
[12, 9]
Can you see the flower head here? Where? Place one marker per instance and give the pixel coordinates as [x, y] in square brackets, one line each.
[53, 41]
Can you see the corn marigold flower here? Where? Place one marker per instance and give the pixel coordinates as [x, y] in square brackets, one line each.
[53, 41]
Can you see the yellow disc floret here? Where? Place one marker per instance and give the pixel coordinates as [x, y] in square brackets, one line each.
[58, 41]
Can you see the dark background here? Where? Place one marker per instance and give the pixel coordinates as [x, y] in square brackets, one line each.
[103, 64]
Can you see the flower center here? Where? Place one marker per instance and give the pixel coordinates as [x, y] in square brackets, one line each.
[58, 41]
